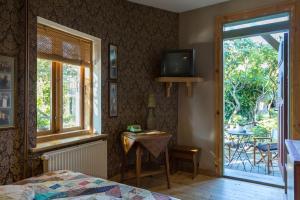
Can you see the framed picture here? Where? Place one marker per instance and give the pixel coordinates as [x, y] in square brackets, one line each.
[7, 91]
[5, 81]
[113, 61]
[113, 99]
[5, 99]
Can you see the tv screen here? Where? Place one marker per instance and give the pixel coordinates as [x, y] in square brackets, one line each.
[178, 63]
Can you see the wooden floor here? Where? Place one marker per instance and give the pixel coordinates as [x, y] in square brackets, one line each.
[208, 188]
[267, 179]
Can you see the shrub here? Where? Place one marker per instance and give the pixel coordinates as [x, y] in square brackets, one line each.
[260, 131]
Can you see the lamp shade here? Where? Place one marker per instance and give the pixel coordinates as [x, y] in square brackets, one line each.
[151, 101]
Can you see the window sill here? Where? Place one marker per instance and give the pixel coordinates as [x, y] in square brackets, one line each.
[66, 142]
[56, 136]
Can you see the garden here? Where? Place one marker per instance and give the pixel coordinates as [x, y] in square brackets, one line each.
[250, 86]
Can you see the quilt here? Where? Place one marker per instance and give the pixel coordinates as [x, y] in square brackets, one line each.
[73, 185]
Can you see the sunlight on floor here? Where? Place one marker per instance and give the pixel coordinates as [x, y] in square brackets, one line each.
[209, 188]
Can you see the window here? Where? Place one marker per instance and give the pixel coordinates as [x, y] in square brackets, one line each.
[64, 82]
[257, 26]
[260, 21]
[44, 95]
[71, 98]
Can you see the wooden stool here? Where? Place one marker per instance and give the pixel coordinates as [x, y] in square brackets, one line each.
[180, 152]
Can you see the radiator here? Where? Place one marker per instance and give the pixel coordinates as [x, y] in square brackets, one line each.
[90, 159]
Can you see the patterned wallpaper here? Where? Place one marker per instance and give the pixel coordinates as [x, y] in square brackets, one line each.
[140, 32]
[12, 43]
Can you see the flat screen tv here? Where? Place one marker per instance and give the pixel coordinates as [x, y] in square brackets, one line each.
[178, 63]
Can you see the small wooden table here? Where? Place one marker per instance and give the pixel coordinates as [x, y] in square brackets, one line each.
[155, 142]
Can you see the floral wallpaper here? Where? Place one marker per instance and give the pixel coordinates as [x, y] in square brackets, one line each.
[12, 43]
[141, 34]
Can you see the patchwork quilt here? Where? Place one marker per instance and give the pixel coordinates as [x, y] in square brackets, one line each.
[72, 185]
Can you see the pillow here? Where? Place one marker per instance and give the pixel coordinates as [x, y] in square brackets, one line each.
[16, 192]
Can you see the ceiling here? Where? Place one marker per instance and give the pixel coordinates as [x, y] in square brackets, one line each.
[178, 5]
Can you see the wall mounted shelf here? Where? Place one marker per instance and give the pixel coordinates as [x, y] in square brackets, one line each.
[187, 80]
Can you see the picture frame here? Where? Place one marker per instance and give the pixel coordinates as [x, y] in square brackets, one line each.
[113, 61]
[113, 99]
[7, 91]
[5, 99]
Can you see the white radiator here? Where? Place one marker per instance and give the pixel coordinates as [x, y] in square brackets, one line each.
[90, 159]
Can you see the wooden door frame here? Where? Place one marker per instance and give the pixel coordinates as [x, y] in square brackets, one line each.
[220, 21]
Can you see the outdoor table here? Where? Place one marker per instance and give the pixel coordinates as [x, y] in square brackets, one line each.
[242, 138]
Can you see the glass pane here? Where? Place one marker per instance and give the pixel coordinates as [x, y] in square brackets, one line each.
[87, 98]
[43, 95]
[282, 17]
[71, 96]
[6, 91]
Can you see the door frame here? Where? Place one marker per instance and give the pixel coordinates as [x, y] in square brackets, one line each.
[220, 21]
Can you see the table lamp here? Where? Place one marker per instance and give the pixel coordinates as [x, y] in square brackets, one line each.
[151, 122]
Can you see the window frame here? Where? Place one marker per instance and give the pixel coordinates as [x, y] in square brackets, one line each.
[56, 122]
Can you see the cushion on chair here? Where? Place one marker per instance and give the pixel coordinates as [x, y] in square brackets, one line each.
[264, 147]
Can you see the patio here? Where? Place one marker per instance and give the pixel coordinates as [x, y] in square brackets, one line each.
[252, 110]
[239, 163]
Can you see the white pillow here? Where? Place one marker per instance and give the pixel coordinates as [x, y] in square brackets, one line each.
[16, 192]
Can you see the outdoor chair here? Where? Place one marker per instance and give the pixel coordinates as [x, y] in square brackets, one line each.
[229, 143]
[267, 149]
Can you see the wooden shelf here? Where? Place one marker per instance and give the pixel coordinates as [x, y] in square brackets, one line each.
[187, 80]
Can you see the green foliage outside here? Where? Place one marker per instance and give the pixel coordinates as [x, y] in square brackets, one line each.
[71, 93]
[43, 94]
[71, 82]
[250, 85]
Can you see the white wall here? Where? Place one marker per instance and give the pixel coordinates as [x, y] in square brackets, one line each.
[196, 113]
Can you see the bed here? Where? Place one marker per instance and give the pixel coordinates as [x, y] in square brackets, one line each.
[73, 185]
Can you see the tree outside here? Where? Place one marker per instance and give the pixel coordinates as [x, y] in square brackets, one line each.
[70, 95]
[43, 94]
[250, 85]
